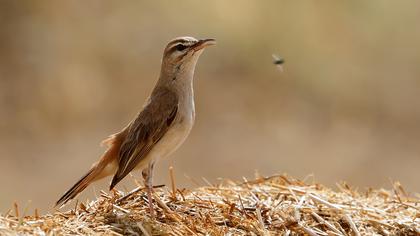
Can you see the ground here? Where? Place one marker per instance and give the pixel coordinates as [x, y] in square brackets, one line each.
[277, 205]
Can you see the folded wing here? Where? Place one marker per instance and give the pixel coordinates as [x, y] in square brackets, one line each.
[145, 131]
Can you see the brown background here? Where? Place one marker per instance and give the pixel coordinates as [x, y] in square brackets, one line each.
[346, 108]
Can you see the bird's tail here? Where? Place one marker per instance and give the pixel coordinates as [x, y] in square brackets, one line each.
[98, 171]
[77, 188]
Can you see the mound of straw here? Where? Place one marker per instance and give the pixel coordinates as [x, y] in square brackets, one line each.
[277, 205]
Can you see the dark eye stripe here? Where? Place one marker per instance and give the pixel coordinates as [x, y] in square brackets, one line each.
[180, 47]
[176, 42]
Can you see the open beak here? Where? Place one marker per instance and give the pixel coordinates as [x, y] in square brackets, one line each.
[202, 43]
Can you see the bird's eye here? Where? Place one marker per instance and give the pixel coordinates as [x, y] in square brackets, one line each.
[180, 47]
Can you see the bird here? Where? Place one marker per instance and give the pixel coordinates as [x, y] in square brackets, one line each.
[162, 125]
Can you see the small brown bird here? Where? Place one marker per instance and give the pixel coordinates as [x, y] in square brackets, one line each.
[159, 129]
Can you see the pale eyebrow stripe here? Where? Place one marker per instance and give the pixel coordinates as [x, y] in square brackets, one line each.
[172, 47]
[175, 42]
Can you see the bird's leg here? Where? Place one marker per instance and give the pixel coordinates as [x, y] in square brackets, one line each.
[148, 182]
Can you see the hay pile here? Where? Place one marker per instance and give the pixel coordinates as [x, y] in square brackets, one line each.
[277, 205]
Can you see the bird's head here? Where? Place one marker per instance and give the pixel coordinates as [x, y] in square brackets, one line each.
[182, 53]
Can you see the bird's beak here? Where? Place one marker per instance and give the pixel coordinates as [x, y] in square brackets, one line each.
[202, 43]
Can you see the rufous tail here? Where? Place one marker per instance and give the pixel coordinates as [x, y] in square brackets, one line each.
[98, 170]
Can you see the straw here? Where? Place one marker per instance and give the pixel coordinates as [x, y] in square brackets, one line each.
[277, 205]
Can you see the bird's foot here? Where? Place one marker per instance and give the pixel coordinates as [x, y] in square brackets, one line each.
[150, 200]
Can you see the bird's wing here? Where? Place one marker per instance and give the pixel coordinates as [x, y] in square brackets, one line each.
[145, 131]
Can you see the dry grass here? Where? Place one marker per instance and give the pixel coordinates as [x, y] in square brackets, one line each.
[277, 205]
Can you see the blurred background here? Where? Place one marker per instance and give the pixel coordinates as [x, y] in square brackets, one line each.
[346, 107]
